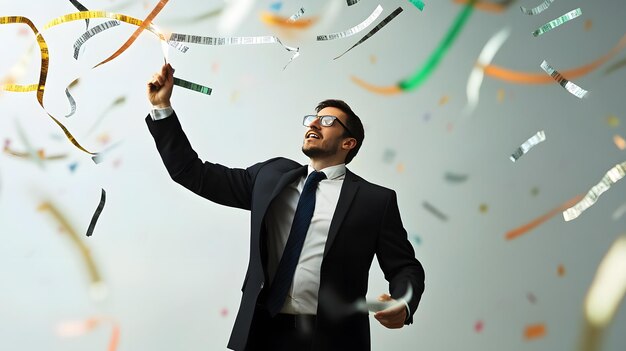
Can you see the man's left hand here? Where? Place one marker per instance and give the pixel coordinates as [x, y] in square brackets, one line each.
[392, 317]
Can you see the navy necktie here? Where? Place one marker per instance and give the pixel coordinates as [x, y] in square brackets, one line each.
[291, 254]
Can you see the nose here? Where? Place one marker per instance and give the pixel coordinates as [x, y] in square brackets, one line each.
[316, 124]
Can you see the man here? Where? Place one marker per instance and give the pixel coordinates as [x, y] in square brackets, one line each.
[314, 232]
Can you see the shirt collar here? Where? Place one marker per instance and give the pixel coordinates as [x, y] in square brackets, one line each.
[332, 172]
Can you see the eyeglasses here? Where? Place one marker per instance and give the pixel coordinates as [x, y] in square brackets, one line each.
[325, 121]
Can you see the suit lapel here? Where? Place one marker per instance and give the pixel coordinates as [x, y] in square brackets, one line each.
[348, 190]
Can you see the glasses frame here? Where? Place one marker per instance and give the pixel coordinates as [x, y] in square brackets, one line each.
[334, 118]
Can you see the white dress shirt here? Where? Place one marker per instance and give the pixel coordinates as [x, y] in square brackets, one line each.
[302, 296]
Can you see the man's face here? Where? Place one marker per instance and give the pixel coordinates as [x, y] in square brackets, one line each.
[320, 141]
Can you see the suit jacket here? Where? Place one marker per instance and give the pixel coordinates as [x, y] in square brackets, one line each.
[366, 222]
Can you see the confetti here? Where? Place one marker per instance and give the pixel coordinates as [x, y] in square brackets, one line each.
[531, 298]
[400, 167]
[483, 208]
[613, 121]
[517, 232]
[389, 155]
[90, 33]
[40, 154]
[534, 191]
[378, 305]
[434, 211]
[527, 145]
[430, 65]
[534, 331]
[619, 142]
[616, 66]
[611, 177]
[501, 95]
[557, 22]
[569, 86]
[588, 25]
[96, 214]
[560, 270]
[80, 7]
[485, 57]
[537, 10]
[196, 39]
[354, 30]
[94, 274]
[607, 290]
[488, 6]
[417, 3]
[70, 98]
[455, 177]
[352, 2]
[520, 77]
[193, 86]
[619, 212]
[276, 6]
[478, 326]
[444, 100]
[276, 20]
[382, 23]
[296, 15]
[79, 328]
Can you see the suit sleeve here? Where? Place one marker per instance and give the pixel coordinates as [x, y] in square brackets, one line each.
[220, 184]
[397, 258]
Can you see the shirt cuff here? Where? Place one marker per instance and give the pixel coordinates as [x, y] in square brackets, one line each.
[161, 113]
[408, 310]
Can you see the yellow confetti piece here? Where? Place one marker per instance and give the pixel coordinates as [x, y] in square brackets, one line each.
[619, 142]
[373, 59]
[588, 25]
[400, 167]
[612, 121]
[500, 95]
[444, 100]
[483, 208]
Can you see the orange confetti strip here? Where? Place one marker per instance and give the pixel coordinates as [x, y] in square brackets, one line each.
[534, 331]
[135, 34]
[513, 234]
[484, 6]
[80, 328]
[619, 142]
[520, 77]
[284, 22]
[560, 270]
[388, 90]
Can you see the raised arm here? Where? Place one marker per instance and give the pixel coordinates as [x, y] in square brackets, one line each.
[223, 185]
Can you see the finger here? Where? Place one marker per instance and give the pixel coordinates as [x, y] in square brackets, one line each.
[384, 297]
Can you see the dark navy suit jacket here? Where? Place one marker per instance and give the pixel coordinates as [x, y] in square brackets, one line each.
[366, 222]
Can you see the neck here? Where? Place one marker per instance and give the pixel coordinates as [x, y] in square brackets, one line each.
[319, 164]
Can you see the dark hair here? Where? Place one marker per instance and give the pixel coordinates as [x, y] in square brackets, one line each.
[353, 123]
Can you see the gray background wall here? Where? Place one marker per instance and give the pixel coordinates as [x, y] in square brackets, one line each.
[173, 262]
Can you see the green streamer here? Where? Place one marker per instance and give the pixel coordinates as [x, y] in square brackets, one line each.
[417, 3]
[192, 86]
[433, 61]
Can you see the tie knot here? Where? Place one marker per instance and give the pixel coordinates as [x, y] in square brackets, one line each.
[314, 178]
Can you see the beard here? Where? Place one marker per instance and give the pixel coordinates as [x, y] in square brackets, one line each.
[318, 152]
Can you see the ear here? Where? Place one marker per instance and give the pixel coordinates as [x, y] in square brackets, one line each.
[348, 144]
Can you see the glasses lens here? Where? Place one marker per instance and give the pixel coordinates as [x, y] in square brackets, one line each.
[308, 119]
[327, 121]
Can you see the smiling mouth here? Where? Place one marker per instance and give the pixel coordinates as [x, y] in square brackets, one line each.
[312, 135]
